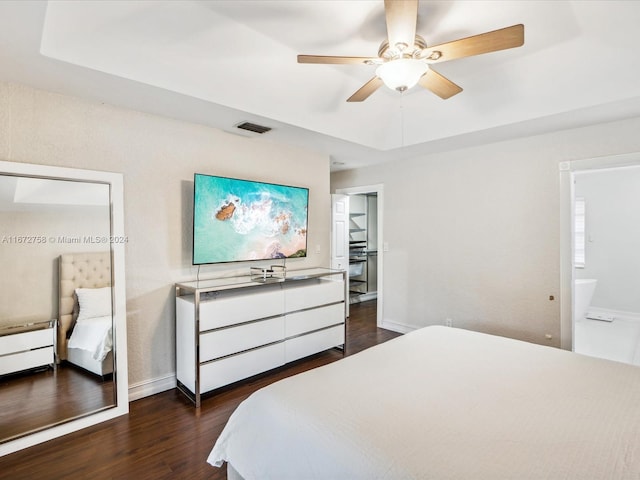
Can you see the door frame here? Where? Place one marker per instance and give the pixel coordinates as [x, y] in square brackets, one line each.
[567, 196]
[379, 190]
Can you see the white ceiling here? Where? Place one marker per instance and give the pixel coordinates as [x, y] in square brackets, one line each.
[36, 194]
[223, 62]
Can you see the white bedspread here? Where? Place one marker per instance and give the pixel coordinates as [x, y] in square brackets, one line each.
[442, 403]
[93, 335]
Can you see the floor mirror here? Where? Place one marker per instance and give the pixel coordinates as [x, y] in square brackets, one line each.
[63, 352]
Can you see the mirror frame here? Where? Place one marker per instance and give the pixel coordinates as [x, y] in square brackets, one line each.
[121, 407]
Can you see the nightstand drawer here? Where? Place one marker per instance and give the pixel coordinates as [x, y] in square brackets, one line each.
[26, 360]
[20, 342]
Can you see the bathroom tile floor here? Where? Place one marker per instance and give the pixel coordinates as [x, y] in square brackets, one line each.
[618, 340]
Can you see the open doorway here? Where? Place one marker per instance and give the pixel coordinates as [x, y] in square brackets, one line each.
[600, 267]
[365, 233]
[363, 247]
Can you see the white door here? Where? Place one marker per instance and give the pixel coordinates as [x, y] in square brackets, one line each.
[340, 232]
[340, 238]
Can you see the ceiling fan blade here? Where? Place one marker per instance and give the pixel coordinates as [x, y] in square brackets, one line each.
[401, 16]
[338, 60]
[502, 39]
[441, 86]
[366, 90]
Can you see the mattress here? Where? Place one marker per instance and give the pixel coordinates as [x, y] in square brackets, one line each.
[442, 403]
[94, 336]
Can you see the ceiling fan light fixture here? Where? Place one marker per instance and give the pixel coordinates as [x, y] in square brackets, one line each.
[402, 74]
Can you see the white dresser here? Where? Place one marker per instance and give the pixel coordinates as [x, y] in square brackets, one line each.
[229, 329]
[24, 347]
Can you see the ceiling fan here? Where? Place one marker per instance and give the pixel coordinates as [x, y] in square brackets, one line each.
[404, 59]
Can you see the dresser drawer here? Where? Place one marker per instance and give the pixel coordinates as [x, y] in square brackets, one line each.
[223, 342]
[313, 294]
[305, 345]
[26, 360]
[20, 342]
[231, 308]
[308, 320]
[228, 370]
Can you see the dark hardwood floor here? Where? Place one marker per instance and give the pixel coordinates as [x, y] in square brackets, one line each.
[34, 399]
[164, 436]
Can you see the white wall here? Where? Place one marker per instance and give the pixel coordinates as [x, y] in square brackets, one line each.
[474, 234]
[613, 236]
[158, 157]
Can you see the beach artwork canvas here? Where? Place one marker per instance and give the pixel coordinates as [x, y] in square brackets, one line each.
[240, 220]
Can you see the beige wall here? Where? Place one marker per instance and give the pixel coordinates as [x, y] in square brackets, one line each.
[158, 157]
[474, 234]
[29, 280]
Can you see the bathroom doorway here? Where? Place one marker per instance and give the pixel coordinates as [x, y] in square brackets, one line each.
[605, 261]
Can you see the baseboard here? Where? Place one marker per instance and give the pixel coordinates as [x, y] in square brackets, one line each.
[616, 313]
[397, 327]
[151, 387]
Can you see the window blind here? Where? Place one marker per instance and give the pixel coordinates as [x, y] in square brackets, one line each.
[579, 219]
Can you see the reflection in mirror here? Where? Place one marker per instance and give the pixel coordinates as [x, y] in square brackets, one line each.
[56, 321]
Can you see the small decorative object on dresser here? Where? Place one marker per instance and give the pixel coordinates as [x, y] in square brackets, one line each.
[228, 329]
[24, 347]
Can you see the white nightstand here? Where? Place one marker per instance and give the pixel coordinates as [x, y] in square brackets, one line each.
[23, 347]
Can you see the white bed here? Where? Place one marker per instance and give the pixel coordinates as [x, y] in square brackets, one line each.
[442, 403]
[85, 320]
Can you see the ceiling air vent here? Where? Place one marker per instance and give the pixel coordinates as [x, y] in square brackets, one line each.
[252, 127]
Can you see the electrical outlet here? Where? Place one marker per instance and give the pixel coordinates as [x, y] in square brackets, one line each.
[448, 322]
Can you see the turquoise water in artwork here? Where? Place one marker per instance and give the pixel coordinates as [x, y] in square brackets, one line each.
[239, 220]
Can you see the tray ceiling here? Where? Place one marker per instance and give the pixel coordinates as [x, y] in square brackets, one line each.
[223, 62]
